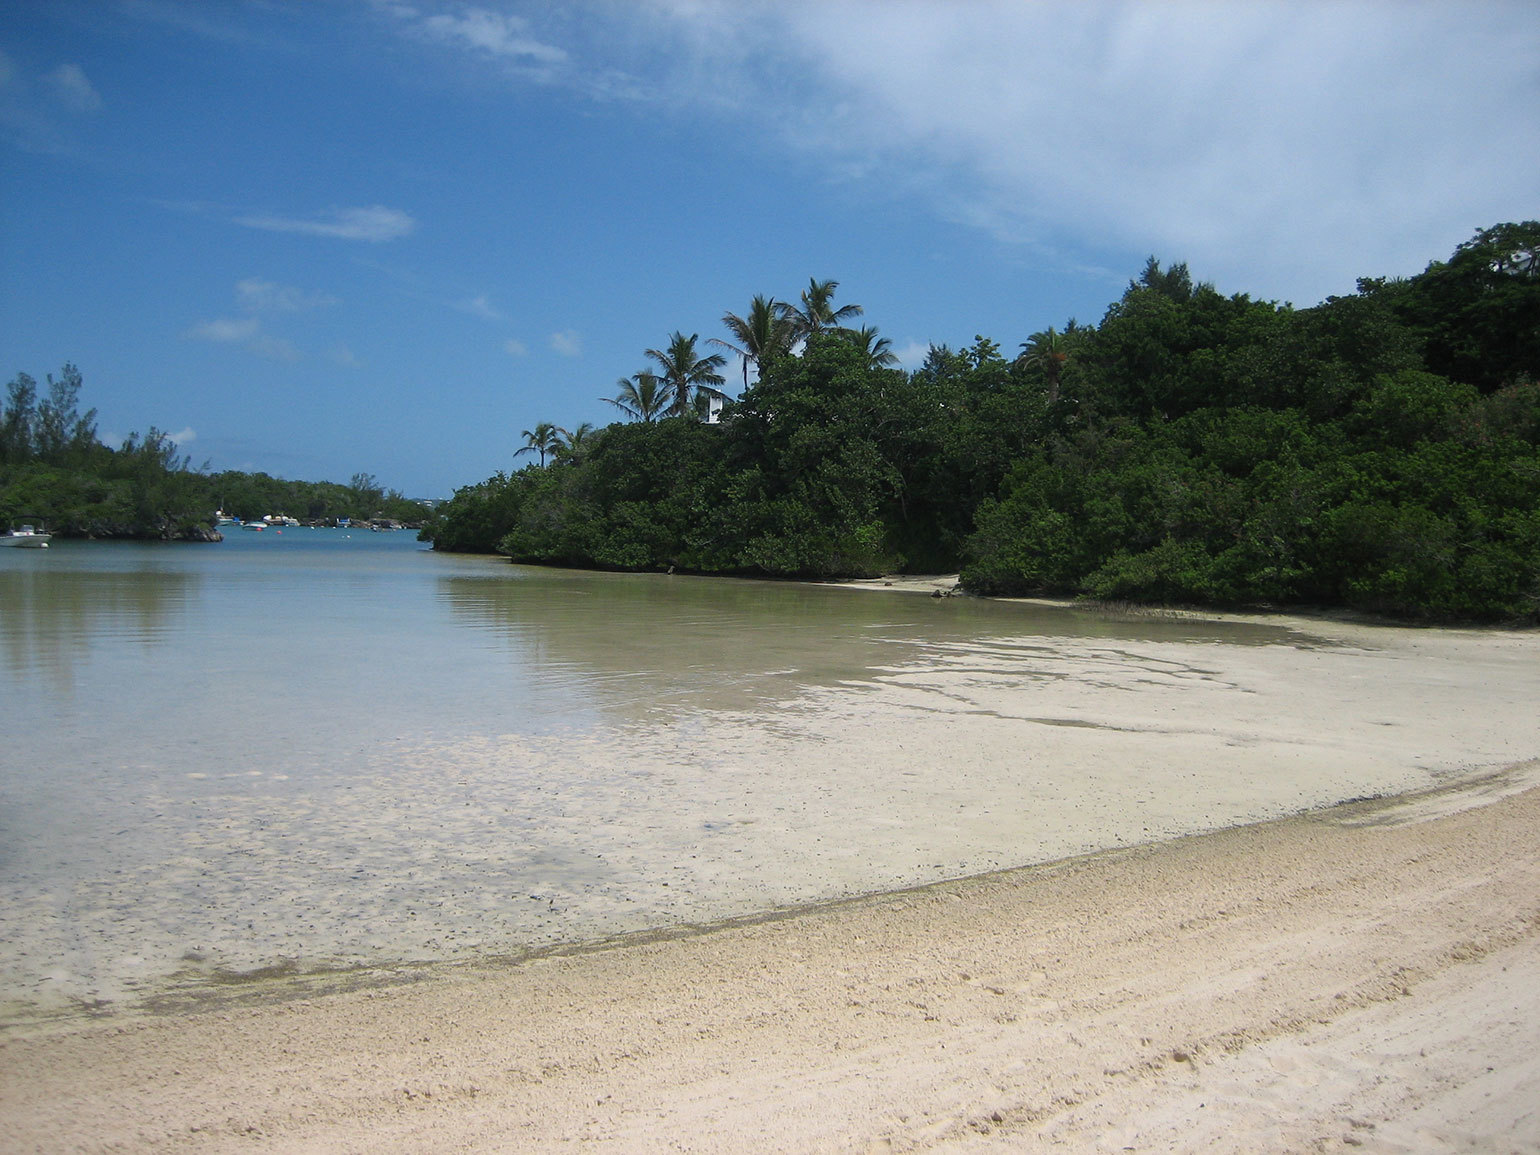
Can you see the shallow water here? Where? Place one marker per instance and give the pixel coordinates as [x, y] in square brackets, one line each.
[321, 748]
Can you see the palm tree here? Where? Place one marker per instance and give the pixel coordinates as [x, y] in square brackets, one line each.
[878, 351]
[641, 396]
[572, 444]
[1046, 351]
[686, 372]
[761, 335]
[817, 312]
[542, 439]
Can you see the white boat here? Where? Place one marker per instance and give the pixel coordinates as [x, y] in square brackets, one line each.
[27, 537]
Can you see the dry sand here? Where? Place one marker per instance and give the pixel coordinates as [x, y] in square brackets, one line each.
[1365, 976]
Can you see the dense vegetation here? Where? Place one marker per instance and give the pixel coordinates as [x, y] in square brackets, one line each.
[53, 468]
[1379, 450]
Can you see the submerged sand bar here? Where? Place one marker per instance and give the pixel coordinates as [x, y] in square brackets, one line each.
[1056, 734]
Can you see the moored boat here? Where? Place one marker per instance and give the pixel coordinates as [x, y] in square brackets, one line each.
[27, 537]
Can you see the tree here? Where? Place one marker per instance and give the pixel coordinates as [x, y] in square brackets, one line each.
[686, 372]
[62, 432]
[16, 428]
[641, 396]
[878, 351]
[817, 312]
[542, 439]
[573, 444]
[367, 492]
[1045, 351]
[763, 334]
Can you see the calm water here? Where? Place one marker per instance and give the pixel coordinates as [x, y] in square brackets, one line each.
[314, 748]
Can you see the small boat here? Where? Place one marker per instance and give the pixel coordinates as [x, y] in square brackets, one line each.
[27, 537]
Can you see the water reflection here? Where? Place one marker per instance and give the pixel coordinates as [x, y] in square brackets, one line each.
[646, 642]
[51, 620]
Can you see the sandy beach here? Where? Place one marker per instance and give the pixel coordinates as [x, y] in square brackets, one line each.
[1185, 972]
[1361, 978]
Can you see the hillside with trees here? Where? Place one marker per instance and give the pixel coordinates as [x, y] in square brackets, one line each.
[1379, 451]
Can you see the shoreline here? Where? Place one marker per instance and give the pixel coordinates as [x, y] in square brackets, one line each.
[1243, 989]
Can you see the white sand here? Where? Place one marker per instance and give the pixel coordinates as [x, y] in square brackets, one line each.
[1318, 982]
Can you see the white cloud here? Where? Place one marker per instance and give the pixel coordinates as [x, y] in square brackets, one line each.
[1278, 146]
[340, 354]
[912, 355]
[515, 347]
[569, 343]
[374, 223]
[479, 307]
[259, 296]
[493, 33]
[225, 330]
[183, 437]
[70, 85]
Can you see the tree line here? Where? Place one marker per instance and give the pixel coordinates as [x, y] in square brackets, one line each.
[54, 468]
[1380, 450]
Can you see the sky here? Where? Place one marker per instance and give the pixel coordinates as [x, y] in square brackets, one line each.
[324, 237]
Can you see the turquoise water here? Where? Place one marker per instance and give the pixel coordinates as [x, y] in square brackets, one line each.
[320, 748]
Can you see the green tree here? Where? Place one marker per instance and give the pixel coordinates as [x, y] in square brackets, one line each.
[817, 312]
[1046, 352]
[16, 427]
[763, 334]
[641, 396]
[573, 444]
[685, 372]
[542, 439]
[878, 351]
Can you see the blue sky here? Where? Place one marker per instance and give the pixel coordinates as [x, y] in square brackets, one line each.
[325, 237]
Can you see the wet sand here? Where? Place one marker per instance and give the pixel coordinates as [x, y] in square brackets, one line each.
[1360, 976]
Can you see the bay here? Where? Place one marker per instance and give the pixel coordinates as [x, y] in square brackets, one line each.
[319, 749]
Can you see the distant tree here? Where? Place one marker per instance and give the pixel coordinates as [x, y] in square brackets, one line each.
[641, 396]
[685, 372]
[62, 432]
[763, 334]
[367, 493]
[542, 439]
[1045, 351]
[16, 427]
[878, 351]
[573, 444]
[1175, 282]
[817, 312]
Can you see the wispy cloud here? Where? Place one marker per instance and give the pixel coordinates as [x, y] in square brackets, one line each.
[515, 348]
[340, 354]
[569, 343]
[225, 330]
[72, 89]
[374, 223]
[183, 437]
[1279, 146]
[258, 299]
[512, 46]
[496, 34]
[258, 296]
[274, 348]
[480, 307]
